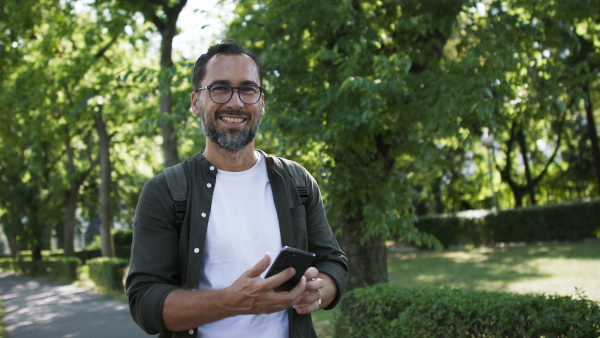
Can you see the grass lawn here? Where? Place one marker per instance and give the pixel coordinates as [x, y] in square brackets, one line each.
[563, 269]
[570, 269]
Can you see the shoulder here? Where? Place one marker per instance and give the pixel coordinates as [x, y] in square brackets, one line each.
[300, 176]
[155, 186]
[159, 185]
[283, 164]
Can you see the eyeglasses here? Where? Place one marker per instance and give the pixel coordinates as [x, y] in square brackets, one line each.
[222, 93]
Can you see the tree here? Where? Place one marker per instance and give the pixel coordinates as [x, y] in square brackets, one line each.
[389, 95]
[583, 65]
[51, 122]
[32, 134]
[163, 14]
[362, 81]
[533, 83]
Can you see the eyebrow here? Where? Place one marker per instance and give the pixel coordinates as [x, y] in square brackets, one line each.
[227, 82]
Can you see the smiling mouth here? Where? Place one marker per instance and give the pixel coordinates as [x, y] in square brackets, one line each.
[233, 119]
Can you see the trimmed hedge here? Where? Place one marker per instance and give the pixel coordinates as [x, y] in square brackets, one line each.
[121, 251]
[570, 221]
[60, 269]
[123, 237]
[400, 311]
[107, 272]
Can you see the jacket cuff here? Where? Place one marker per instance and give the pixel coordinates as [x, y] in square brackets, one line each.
[339, 275]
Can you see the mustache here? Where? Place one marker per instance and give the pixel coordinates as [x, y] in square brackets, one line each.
[231, 112]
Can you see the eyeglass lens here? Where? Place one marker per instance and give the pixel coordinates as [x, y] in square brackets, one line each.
[224, 93]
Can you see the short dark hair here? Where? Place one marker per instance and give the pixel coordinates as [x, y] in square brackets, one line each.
[227, 47]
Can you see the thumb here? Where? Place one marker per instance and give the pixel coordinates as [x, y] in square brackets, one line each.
[260, 266]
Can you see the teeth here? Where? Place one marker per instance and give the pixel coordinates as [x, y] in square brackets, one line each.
[233, 119]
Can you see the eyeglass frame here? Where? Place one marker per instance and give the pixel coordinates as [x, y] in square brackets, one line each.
[261, 91]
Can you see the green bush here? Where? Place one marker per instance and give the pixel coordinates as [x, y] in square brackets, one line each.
[560, 222]
[85, 255]
[7, 264]
[108, 272]
[122, 237]
[122, 240]
[61, 269]
[123, 251]
[400, 311]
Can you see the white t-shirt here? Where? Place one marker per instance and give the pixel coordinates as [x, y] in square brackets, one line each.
[243, 225]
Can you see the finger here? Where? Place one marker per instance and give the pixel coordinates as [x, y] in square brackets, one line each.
[309, 307]
[309, 297]
[259, 267]
[280, 278]
[300, 288]
[311, 273]
[315, 284]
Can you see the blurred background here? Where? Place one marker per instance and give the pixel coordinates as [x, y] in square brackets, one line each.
[402, 110]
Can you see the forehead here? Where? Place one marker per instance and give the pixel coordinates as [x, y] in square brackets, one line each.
[235, 69]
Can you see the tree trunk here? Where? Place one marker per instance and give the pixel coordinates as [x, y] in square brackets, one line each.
[519, 191]
[13, 243]
[367, 261]
[518, 195]
[169, 145]
[592, 132]
[69, 226]
[106, 222]
[168, 29]
[523, 146]
[71, 200]
[72, 195]
[36, 253]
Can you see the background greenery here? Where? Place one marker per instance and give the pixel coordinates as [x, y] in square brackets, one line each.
[384, 101]
[566, 269]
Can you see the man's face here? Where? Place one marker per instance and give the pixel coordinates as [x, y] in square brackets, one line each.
[234, 124]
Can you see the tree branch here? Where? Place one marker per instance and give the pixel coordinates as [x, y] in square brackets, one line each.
[551, 159]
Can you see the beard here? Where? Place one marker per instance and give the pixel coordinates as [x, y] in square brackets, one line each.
[234, 140]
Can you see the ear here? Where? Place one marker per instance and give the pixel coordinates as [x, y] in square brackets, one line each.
[195, 97]
[262, 102]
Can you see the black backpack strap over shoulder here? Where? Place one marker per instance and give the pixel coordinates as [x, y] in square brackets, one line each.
[177, 182]
[297, 174]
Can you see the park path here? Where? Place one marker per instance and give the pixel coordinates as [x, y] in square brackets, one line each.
[36, 308]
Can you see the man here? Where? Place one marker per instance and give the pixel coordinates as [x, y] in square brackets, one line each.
[206, 279]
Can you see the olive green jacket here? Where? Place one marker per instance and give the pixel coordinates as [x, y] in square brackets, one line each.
[164, 259]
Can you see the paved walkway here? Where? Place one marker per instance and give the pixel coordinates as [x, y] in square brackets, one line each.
[36, 308]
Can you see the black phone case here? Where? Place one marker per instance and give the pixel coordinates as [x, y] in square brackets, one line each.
[300, 260]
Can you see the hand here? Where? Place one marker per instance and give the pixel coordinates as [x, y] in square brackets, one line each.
[252, 294]
[249, 294]
[311, 299]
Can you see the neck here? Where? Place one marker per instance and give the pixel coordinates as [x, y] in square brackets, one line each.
[228, 160]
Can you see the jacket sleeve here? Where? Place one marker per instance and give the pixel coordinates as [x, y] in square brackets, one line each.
[153, 267]
[321, 240]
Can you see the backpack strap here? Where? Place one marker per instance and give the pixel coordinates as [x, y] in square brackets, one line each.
[177, 182]
[297, 174]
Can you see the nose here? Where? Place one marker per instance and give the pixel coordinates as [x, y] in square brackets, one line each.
[235, 102]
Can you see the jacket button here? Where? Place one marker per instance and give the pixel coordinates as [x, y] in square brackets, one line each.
[203, 214]
[196, 250]
[212, 167]
[191, 331]
[208, 185]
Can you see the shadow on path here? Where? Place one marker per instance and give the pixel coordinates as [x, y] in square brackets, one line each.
[40, 308]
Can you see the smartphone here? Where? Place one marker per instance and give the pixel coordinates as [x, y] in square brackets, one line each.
[288, 257]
